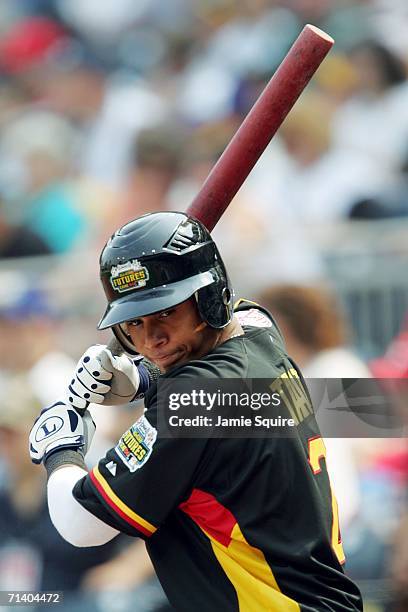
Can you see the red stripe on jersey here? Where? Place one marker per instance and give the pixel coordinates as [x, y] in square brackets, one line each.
[116, 508]
[210, 515]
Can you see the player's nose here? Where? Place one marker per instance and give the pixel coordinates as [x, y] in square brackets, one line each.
[154, 335]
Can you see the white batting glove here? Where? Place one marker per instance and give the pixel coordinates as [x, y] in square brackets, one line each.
[103, 378]
[59, 427]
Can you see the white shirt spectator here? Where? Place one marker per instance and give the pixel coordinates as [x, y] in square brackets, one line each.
[376, 127]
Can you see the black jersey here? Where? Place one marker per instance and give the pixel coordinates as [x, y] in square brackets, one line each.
[231, 524]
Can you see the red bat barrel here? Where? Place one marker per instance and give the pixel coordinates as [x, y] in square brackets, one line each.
[260, 125]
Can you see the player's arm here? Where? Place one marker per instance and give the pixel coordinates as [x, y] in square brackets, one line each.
[75, 524]
[143, 478]
[59, 439]
[131, 490]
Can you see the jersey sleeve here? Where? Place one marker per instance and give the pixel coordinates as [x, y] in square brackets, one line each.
[251, 314]
[142, 479]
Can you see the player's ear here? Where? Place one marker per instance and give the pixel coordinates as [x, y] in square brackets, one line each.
[200, 327]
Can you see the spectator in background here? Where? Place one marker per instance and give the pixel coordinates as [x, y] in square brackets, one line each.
[33, 556]
[393, 366]
[374, 121]
[65, 75]
[43, 147]
[13, 98]
[26, 313]
[322, 181]
[18, 240]
[158, 156]
[250, 37]
[394, 363]
[315, 330]
[399, 563]
[348, 22]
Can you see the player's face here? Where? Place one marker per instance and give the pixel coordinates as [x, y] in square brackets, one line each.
[172, 337]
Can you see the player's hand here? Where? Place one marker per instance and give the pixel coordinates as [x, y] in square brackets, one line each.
[103, 378]
[59, 427]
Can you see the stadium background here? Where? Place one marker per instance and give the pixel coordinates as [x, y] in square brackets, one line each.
[111, 109]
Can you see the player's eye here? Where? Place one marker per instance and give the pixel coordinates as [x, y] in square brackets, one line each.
[129, 324]
[166, 313]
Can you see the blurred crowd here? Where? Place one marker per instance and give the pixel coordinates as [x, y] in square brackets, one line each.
[116, 108]
[121, 108]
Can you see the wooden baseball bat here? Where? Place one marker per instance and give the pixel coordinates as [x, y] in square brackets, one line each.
[255, 133]
[258, 128]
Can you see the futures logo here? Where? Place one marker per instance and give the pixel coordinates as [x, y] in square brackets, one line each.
[128, 276]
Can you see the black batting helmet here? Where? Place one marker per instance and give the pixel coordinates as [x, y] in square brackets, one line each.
[160, 260]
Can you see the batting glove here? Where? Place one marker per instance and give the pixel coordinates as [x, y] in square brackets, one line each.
[103, 378]
[60, 427]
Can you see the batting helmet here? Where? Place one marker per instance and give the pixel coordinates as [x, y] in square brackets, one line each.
[160, 260]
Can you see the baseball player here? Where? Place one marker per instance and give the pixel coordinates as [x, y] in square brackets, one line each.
[245, 524]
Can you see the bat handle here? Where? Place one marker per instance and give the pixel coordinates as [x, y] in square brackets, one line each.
[115, 347]
[117, 350]
[153, 372]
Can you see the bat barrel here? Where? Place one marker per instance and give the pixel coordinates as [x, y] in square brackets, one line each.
[260, 125]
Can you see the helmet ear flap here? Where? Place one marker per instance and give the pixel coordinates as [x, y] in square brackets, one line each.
[124, 340]
[215, 303]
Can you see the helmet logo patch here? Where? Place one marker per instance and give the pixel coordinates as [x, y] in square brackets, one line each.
[128, 276]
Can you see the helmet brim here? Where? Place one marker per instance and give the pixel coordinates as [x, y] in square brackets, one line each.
[153, 300]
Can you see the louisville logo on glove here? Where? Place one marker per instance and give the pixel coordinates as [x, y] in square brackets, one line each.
[60, 427]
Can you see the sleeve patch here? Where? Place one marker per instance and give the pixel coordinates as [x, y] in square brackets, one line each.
[135, 446]
[253, 317]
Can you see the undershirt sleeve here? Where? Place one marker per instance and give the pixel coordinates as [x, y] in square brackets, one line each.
[74, 523]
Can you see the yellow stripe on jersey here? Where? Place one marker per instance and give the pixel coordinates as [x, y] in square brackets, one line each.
[119, 506]
[251, 576]
[240, 300]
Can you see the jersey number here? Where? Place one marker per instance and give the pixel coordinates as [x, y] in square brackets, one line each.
[317, 451]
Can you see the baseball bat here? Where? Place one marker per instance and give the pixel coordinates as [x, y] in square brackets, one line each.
[258, 128]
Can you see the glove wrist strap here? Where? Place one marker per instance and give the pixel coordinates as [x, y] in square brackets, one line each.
[144, 382]
[148, 374]
[63, 457]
